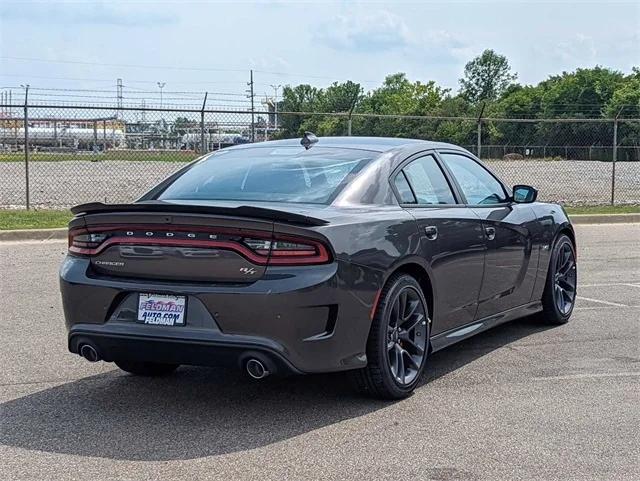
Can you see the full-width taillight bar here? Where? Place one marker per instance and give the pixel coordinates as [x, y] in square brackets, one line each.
[259, 247]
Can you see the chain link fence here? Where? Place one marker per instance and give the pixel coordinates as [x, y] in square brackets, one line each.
[70, 155]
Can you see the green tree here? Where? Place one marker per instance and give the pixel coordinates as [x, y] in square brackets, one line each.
[454, 130]
[301, 98]
[486, 77]
[582, 94]
[625, 100]
[337, 98]
[625, 103]
[399, 96]
[340, 97]
[517, 102]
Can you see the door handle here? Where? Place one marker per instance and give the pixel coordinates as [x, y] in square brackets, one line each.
[431, 232]
[490, 232]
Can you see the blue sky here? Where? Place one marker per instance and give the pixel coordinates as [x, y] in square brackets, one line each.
[209, 45]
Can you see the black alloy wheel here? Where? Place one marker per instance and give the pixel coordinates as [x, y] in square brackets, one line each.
[564, 291]
[407, 336]
[560, 292]
[398, 342]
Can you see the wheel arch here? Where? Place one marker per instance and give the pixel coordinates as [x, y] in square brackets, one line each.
[421, 274]
[567, 230]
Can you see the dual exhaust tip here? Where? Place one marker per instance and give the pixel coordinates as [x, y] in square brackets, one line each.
[89, 353]
[255, 368]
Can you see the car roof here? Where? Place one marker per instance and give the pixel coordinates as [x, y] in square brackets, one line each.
[376, 144]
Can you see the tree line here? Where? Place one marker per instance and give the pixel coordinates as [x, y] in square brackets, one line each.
[489, 88]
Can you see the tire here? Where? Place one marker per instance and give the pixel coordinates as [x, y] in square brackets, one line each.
[396, 349]
[560, 289]
[147, 369]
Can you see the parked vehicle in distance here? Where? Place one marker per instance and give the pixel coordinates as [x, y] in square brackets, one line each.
[359, 254]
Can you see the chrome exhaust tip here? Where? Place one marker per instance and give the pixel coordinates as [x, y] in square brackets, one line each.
[256, 369]
[89, 353]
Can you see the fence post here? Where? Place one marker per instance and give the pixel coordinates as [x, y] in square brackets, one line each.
[204, 103]
[480, 129]
[354, 101]
[613, 163]
[253, 111]
[95, 135]
[26, 144]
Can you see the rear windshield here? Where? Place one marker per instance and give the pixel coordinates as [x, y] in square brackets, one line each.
[279, 174]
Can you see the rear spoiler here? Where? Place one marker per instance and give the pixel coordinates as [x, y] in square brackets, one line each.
[240, 211]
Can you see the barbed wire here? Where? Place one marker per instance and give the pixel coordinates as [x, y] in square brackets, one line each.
[182, 103]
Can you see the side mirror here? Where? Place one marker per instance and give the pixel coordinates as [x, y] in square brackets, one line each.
[524, 194]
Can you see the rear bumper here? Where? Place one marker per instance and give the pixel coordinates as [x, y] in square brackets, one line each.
[302, 319]
[119, 341]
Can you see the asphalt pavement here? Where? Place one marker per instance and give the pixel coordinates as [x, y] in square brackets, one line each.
[524, 401]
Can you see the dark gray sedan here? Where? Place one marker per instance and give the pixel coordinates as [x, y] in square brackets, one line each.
[330, 254]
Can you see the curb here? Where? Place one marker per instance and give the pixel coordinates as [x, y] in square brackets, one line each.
[33, 234]
[604, 218]
[60, 234]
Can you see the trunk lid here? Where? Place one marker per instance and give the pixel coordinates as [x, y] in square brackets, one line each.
[174, 242]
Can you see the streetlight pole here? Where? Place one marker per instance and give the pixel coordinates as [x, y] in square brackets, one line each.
[161, 86]
[275, 102]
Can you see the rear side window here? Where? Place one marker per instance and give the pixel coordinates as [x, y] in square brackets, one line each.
[427, 181]
[279, 174]
[404, 189]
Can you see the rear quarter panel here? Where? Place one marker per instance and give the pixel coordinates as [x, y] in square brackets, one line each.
[366, 244]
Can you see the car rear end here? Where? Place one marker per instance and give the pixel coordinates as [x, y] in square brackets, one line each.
[186, 281]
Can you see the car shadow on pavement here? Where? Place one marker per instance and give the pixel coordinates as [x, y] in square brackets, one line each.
[200, 412]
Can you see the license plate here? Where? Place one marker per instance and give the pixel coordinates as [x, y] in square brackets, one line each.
[161, 309]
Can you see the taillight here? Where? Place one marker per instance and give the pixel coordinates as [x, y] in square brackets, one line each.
[258, 247]
[83, 242]
[290, 250]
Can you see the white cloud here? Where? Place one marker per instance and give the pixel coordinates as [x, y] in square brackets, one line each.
[99, 13]
[576, 49]
[368, 32]
[275, 63]
[443, 44]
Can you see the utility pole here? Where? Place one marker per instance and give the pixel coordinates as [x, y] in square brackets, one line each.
[26, 142]
[161, 86]
[119, 94]
[275, 103]
[253, 112]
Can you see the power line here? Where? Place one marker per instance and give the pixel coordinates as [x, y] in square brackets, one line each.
[104, 64]
[173, 67]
